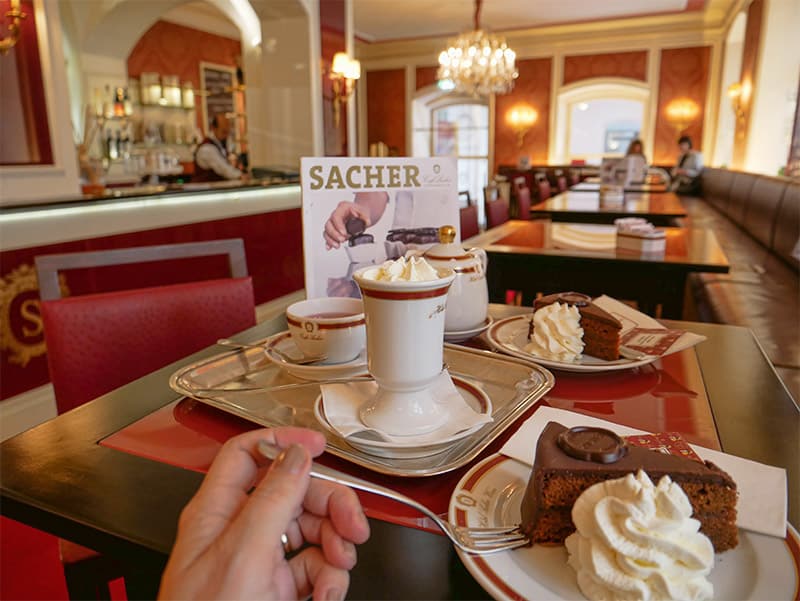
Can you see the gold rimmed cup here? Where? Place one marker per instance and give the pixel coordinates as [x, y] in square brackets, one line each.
[331, 326]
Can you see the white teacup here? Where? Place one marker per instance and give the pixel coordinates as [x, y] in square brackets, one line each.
[331, 326]
[405, 334]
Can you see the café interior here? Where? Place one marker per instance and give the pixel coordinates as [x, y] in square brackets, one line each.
[127, 254]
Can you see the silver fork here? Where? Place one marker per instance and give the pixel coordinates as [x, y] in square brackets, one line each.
[478, 541]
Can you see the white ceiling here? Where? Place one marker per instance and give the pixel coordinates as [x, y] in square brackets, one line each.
[380, 20]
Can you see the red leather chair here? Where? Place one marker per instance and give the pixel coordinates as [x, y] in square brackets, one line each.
[496, 212]
[561, 180]
[98, 342]
[523, 197]
[469, 221]
[543, 187]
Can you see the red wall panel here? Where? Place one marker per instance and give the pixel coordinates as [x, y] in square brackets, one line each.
[386, 109]
[617, 64]
[426, 76]
[331, 16]
[533, 88]
[684, 74]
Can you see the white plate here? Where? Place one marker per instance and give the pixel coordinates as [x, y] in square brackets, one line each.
[476, 398]
[489, 495]
[510, 336]
[462, 335]
[314, 371]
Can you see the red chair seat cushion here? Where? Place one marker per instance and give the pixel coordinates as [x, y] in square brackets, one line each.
[99, 342]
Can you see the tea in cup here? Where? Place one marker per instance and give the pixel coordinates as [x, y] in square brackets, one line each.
[404, 306]
[330, 327]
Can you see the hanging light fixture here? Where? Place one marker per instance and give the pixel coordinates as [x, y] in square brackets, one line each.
[477, 63]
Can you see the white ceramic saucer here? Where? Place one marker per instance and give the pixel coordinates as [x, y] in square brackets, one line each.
[312, 371]
[462, 335]
[413, 447]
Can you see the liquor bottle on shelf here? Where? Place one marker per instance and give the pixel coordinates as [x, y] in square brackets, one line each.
[127, 105]
[119, 103]
[108, 103]
[98, 103]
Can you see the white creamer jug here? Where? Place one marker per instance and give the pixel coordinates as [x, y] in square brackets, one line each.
[468, 298]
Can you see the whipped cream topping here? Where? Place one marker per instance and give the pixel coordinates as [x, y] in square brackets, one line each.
[557, 334]
[639, 541]
[413, 269]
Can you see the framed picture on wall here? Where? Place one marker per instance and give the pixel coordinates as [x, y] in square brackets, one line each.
[217, 82]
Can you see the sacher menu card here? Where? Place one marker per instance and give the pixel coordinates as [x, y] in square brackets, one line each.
[363, 211]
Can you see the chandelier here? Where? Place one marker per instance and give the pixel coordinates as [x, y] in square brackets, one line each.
[477, 63]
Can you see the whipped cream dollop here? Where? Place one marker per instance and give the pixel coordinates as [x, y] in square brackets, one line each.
[635, 540]
[557, 334]
[413, 269]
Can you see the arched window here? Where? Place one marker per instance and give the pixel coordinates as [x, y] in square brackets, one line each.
[598, 118]
[448, 124]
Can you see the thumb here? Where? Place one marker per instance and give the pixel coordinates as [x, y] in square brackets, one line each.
[273, 504]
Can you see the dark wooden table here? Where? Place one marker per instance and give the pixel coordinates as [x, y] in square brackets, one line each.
[587, 207]
[541, 256]
[57, 477]
[594, 186]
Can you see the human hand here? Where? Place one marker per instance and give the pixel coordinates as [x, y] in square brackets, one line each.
[229, 542]
[335, 232]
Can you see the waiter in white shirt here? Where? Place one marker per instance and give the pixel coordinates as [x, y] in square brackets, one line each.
[211, 157]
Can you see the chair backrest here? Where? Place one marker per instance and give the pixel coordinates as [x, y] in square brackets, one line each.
[490, 193]
[464, 198]
[520, 183]
[469, 221]
[524, 203]
[496, 212]
[48, 266]
[543, 187]
[99, 342]
[561, 182]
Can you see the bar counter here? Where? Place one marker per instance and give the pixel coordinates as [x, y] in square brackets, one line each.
[121, 210]
[264, 214]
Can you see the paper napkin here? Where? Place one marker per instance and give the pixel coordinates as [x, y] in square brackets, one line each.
[762, 488]
[342, 401]
[631, 318]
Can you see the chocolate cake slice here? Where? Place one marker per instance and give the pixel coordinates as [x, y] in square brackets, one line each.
[601, 330]
[570, 461]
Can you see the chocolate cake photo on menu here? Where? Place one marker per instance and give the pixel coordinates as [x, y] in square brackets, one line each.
[568, 461]
[601, 330]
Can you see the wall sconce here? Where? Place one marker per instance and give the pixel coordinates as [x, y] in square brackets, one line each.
[345, 71]
[521, 118]
[681, 112]
[15, 15]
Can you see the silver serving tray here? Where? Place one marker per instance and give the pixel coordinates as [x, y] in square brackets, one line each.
[512, 384]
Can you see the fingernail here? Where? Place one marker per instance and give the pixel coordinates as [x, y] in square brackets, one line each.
[335, 594]
[349, 549]
[292, 459]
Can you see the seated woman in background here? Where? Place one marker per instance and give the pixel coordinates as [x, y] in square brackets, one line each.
[686, 173]
[635, 163]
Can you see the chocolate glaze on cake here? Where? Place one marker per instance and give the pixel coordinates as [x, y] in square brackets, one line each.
[601, 330]
[558, 479]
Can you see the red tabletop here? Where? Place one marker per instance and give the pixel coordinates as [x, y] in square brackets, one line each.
[667, 395]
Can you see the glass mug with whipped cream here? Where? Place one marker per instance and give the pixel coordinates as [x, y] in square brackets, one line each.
[404, 306]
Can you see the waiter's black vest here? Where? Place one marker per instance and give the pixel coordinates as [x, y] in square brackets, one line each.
[207, 175]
